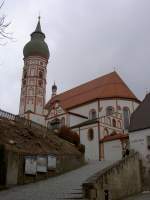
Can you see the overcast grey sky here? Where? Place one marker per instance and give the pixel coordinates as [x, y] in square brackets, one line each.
[86, 38]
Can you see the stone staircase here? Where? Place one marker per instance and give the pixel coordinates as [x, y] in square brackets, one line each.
[76, 194]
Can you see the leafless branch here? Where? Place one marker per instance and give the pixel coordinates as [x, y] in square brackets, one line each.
[4, 26]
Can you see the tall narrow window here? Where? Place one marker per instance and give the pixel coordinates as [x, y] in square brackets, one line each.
[109, 110]
[55, 123]
[90, 134]
[106, 133]
[62, 122]
[92, 114]
[148, 142]
[119, 124]
[49, 126]
[114, 122]
[25, 74]
[40, 74]
[126, 117]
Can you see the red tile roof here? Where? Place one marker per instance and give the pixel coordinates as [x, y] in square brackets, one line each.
[105, 87]
[119, 136]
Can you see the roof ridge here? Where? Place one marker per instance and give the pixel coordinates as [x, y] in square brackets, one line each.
[100, 77]
[109, 85]
[88, 90]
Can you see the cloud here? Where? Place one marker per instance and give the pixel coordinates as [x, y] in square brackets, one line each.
[86, 39]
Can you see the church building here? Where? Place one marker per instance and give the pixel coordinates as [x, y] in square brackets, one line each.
[99, 110]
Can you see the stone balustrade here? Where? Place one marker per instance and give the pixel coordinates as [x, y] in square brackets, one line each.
[115, 182]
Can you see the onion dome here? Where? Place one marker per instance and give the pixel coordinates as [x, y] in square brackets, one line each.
[54, 87]
[37, 45]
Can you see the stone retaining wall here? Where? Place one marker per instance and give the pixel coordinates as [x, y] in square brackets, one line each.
[119, 180]
[15, 173]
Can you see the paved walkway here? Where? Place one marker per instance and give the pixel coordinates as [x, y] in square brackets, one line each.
[143, 196]
[66, 186]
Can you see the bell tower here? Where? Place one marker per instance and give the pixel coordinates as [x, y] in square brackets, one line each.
[33, 90]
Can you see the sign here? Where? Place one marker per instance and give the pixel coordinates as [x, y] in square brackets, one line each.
[30, 165]
[41, 164]
[51, 162]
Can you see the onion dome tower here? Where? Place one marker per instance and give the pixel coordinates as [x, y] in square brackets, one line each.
[33, 90]
[54, 89]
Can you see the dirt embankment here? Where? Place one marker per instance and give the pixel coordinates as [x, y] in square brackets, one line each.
[18, 137]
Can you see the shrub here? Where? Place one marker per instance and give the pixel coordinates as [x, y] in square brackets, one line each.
[69, 135]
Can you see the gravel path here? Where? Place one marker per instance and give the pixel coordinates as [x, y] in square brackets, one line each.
[66, 186]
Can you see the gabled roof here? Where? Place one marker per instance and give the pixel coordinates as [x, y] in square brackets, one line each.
[105, 87]
[119, 136]
[140, 119]
[88, 122]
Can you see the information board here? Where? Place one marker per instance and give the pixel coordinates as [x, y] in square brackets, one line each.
[51, 162]
[30, 165]
[41, 163]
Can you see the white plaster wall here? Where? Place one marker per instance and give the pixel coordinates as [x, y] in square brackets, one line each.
[104, 104]
[112, 150]
[29, 106]
[91, 147]
[38, 119]
[138, 142]
[39, 109]
[110, 130]
[58, 117]
[84, 109]
[132, 105]
[74, 120]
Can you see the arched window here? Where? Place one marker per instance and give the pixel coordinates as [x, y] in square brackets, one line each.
[90, 134]
[25, 74]
[62, 122]
[108, 120]
[114, 122]
[106, 132]
[119, 124]
[49, 126]
[92, 114]
[30, 91]
[109, 110]
[55, 123]
[40, 83]
[24, 82]
[126, 117]
[40, 74]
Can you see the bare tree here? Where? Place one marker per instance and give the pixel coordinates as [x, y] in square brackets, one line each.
[4, 24]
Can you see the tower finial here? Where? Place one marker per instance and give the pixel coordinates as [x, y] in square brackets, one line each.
[54, 89]
[38, 27]
[39, 17]
[115, 69]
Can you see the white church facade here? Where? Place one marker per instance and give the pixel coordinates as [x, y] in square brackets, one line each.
[99, 110]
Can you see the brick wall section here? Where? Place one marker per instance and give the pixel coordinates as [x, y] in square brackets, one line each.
[115, 182]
